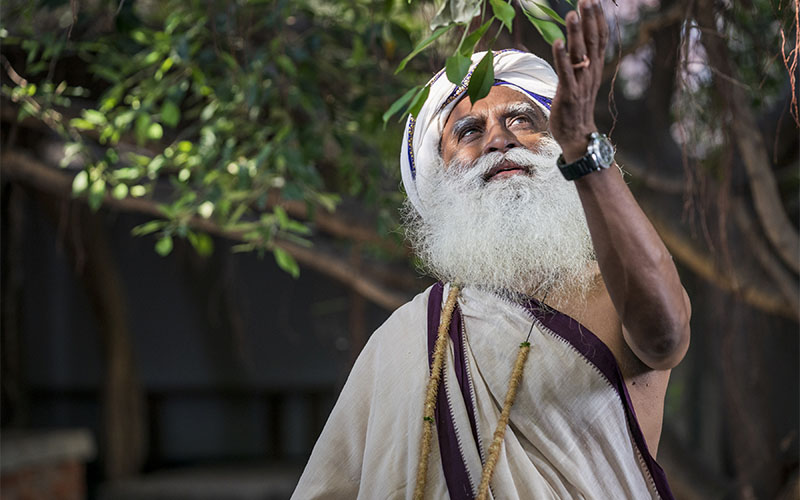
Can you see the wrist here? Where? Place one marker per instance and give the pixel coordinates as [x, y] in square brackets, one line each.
[591, 155]
[576, 147]
[573, 151]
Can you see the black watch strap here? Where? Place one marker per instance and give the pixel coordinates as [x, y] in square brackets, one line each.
[578, 168]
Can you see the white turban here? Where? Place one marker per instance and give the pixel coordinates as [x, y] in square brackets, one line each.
[522, 71]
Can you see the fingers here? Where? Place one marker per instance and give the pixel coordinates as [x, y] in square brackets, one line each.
[602, 28]
[590, 35]
[577, 47]
[563, 65]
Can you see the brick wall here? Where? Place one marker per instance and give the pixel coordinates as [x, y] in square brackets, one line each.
[63, 480]
[44, 464]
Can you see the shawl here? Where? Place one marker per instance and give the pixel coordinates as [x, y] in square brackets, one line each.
[573, 432]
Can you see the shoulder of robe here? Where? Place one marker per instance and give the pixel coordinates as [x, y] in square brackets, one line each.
[401, 340]
[407, 324]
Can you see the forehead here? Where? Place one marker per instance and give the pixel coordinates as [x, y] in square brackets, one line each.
[499, 99]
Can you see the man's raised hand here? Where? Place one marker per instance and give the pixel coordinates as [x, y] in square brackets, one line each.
[580, 69]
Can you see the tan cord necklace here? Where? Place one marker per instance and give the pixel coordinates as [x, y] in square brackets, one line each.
[432, 390]
[430, 403]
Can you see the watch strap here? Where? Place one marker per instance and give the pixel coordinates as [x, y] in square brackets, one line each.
[578, 168]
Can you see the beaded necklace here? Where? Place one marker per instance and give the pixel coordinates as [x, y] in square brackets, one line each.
[430, 398]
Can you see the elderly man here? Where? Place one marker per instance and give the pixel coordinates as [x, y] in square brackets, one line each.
[537, 367]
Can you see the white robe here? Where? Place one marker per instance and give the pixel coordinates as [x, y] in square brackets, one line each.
[572, 431]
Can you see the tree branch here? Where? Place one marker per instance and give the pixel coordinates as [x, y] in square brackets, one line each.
[773, 218]
[347, 227]
[338, 226]
[786, 283]
[647, 30]
[704, 265]
[21, 168]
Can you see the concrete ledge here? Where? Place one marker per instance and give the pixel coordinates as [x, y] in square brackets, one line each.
[264, 482]
[23, 448]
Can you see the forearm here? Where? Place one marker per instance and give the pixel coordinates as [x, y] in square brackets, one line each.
[638, 271]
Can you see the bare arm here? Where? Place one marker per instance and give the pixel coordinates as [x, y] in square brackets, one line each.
[637, 268]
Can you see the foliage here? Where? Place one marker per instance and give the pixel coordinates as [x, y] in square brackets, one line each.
[464, 13]
[216, 113]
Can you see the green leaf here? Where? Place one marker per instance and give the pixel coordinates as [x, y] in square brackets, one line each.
[286, 64]
[94, 117]
[148, 227]
[80, 183]
[457, 67]
[170, 113]
[328, 201]
[152, 57]
[299, 240]
[482, 78]
[504, 12]
[419, 101]
[468, 45]
[71, 151]
[164, 245]
[398, 104]
[546, 10]
[81, 124]
[202, 243]
[548, 29]
[286, 262]
[140, 37]
[142, 126]
[298, 227]
[96, 193]
[120, 191]
[423, 44]
[154, 131]
[456, 11]
[281, 216]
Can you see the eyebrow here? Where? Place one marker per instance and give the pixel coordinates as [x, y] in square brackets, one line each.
[465, 122]
[515, 108]
[520, 108]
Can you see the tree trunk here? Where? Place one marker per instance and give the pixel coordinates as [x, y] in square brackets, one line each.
[15, 401]
[124, 412]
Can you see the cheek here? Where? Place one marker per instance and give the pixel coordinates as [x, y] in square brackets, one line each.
[532, 140]
[449, 151]
[462, 157]
[464, 153]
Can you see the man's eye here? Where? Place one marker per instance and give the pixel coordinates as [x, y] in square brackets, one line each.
[468, 132]
[519, 119]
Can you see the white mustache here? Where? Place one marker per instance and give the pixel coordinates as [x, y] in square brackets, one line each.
[530, 161]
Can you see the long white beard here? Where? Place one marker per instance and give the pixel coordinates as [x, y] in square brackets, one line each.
[521, 236]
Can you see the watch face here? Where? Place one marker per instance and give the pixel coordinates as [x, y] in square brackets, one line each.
[602, 150]
[606, 152]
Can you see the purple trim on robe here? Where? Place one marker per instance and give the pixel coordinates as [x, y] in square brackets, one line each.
[455, 470]
[597, 353]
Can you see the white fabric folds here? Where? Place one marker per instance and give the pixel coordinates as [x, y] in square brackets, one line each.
[572, 432]
[522, 71]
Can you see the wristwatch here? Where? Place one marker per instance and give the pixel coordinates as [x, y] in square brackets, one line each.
[599, 155]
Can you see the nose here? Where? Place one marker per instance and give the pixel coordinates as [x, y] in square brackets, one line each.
[499, 139]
